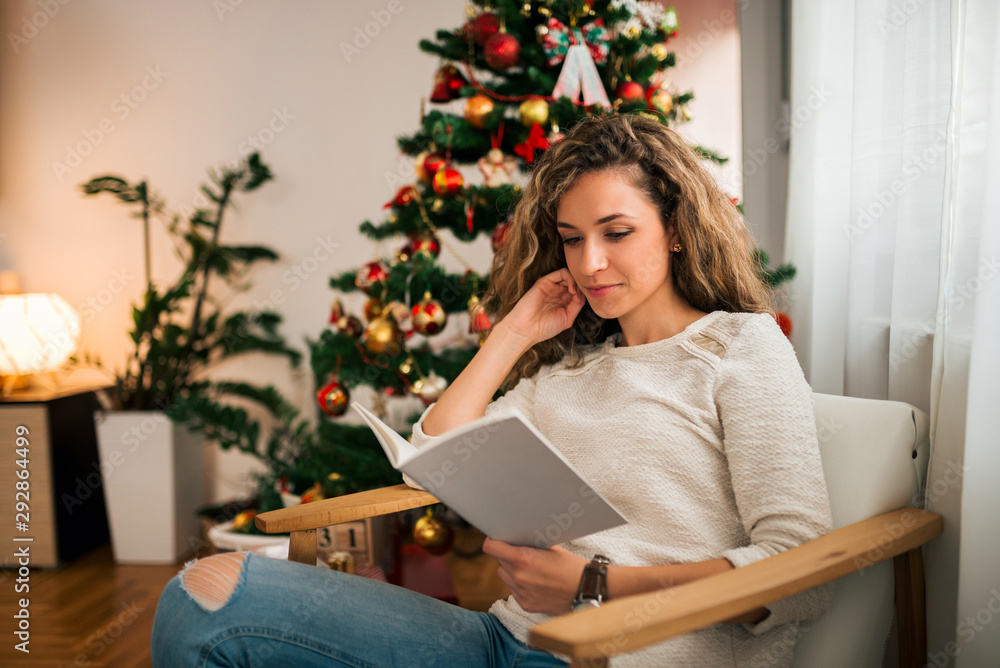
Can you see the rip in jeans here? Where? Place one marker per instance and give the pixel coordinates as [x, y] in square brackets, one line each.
[214, 581]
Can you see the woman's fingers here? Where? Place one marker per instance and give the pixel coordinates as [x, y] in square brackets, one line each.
[549, 307]
[496, 548]
[564, 278]
[567, 280]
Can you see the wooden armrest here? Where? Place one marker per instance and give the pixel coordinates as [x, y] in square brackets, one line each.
[339, 509]
[634, 622]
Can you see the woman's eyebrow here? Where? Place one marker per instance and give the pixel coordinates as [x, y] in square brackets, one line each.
[602, 221]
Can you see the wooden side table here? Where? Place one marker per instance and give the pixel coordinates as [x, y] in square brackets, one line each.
[67, 515]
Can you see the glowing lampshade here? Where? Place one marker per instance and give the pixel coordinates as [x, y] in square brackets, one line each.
[38, 333]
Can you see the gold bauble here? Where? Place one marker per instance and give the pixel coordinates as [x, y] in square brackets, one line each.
[659, 52]
[433, 534]
[477, 109]
[660, 100]
[383, 336]
[633, 32]
[534, 111]
[428, 316]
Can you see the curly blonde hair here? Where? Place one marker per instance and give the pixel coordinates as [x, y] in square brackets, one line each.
[715, 271]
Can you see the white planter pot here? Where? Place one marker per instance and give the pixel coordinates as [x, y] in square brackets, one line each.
[153, 485]
[225, 540]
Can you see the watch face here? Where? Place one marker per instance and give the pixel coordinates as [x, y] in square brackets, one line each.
[586, 604]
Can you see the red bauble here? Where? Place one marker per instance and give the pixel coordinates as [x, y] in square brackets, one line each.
[630, 91]
[369, 275]
[428, 165]
[502, 50]
[428, 316]
[485, 26]
[784, 322]
[447, 182]
[333, 398]
[424, 242]
[479, 322]
[499, 236]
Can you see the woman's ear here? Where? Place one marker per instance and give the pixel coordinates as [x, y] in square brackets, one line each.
[672, 236]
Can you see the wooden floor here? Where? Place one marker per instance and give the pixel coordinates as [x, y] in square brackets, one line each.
[88, 613]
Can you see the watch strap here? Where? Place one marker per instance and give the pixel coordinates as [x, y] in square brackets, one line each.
[594, 582]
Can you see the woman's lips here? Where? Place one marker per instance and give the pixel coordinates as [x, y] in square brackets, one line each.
[600, 292]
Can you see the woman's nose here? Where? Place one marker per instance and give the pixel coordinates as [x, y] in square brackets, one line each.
[594, 258]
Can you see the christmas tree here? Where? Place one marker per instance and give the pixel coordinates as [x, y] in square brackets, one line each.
[511, 79]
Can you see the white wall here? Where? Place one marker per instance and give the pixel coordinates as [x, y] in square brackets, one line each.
[708, 63]
[223, 78]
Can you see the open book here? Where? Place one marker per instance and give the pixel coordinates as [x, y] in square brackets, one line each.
[503, 477]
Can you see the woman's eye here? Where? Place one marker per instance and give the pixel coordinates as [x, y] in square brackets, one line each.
[571, 241]
[617, 236]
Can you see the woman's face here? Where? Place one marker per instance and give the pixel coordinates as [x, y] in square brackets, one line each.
[616, 248]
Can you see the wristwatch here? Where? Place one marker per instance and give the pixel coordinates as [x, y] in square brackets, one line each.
[593, 589]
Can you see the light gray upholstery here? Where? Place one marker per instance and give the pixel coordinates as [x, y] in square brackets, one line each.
[874, 457]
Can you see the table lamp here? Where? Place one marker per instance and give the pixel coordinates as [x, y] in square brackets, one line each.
[38, 333]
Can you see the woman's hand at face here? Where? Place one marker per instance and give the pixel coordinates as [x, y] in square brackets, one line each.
[540, 580]
[548, 308]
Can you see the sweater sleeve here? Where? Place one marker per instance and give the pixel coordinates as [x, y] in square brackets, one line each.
[769, 434]
[521, 397]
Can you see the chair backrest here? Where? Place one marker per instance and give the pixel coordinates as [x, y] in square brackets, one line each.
[875, 458]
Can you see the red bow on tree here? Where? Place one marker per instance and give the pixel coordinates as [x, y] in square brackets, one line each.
[536, 140]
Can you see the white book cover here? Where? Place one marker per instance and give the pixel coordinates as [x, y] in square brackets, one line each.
[501, 475]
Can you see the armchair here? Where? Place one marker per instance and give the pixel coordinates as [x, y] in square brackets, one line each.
[874, 456]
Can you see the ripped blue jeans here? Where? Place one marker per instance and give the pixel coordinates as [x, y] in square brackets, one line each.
[252, 610]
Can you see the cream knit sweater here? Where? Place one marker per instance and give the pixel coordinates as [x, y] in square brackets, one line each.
[706, 442]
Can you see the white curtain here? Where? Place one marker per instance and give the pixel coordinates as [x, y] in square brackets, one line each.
[894, 225]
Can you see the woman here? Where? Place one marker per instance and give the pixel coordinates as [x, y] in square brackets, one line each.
[637, 337]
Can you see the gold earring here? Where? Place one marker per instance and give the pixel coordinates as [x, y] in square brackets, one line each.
[677, 248]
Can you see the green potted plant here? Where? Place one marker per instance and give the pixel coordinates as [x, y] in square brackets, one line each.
[164, 406]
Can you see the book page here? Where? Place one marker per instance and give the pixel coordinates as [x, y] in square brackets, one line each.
[502, 476]
[396, 448]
